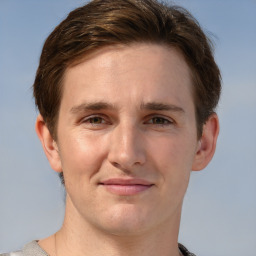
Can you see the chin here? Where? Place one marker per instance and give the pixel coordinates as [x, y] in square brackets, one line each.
[126, 220]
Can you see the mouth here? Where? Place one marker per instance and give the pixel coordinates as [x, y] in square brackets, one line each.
[126, 187]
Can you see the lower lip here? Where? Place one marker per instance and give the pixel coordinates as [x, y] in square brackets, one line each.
[126, 190]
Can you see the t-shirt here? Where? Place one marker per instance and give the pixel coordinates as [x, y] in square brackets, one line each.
[33, 249]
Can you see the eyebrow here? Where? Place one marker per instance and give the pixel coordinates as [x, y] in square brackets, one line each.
[156, 106]
[101, 105]
[92, 106]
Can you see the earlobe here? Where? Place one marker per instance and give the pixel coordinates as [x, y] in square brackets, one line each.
[207, 144]
[49, 145]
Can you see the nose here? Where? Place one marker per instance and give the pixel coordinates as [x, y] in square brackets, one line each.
[126, 148]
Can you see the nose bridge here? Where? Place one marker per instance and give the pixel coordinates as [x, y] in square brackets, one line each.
[126, 147]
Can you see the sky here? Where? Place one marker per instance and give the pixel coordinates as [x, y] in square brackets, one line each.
[219, 213]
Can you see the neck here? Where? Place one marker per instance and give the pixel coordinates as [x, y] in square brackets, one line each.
[77, 237]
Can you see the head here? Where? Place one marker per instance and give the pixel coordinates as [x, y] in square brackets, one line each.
[126, 92]
[103, 23]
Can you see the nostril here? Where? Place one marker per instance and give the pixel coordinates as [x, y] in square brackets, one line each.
[116, 164]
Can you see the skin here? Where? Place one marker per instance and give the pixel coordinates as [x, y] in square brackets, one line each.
[127, 114]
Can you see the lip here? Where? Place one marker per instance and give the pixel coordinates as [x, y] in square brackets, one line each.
[126, 187]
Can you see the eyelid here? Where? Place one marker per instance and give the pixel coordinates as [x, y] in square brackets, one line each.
[168, 119]
[87, 119]
[148, 119]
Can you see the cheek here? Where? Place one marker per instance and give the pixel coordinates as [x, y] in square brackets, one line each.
[173, 158]
[173, 152]
[82, 155]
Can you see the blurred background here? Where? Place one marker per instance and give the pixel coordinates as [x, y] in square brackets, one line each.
[219, 213]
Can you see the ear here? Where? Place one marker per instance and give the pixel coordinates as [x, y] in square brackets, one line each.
[207, 143]
[49, 145]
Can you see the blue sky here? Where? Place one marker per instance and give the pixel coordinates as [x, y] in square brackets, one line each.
[220, 205]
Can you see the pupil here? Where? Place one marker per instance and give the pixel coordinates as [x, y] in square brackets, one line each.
[96, 120]
[158, 120]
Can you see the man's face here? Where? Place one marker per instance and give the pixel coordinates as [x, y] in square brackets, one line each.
[127, 137]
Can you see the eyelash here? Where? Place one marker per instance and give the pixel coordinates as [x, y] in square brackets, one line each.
[150, 120]
[163, 121]
[90, 119]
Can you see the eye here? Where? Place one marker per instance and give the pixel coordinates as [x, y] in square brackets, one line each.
[158, 120]
[94, 121]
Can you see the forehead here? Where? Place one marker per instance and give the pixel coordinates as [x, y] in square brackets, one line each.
[145, 72]
[149, 54]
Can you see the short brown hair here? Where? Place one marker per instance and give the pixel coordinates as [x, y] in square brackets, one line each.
[106, 22]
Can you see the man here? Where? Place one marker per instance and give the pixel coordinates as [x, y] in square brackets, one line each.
[126, 91]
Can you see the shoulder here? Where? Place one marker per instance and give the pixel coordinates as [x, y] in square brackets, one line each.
[18, 253]
[30, 249]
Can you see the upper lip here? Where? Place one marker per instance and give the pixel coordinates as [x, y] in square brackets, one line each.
[122, 181]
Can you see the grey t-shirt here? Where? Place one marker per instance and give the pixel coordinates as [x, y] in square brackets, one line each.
[30, 249]
[33, 249]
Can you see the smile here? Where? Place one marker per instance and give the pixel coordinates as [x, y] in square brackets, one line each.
[126, 187]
